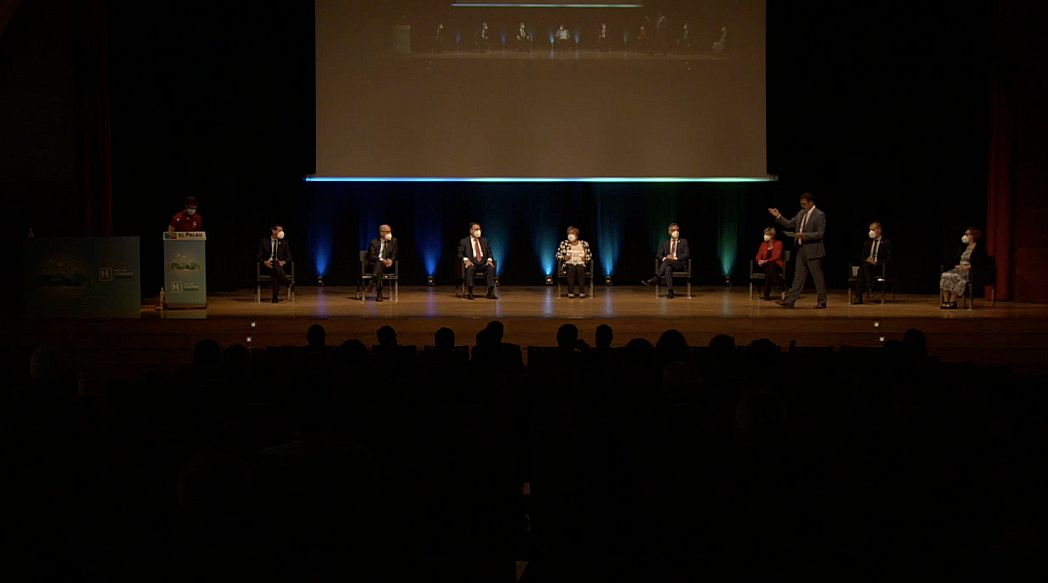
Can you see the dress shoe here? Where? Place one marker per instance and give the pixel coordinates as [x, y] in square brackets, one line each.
[276, 300]
[856, 301]
[469, 295]
[820, 306]
[765, 298]
[582, 295]
[783, 303]
[570, 295]
[670, 295]
[378, 298]
[648, 282]
[491, 295]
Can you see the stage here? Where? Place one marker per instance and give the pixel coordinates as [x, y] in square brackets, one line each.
[1009, 334]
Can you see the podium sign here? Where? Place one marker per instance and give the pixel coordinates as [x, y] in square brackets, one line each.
[82, 277]
[185, 269]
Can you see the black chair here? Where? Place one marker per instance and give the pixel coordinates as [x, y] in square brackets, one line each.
[366, 278]
[267, 277]
[477, 275]
[981, 277]
[676, 275]
[562, 275]
[880, 276]
[760, 276]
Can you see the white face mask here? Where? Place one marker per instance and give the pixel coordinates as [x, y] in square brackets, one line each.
[190, 212]
[280, 234]
[476, 233]
[767, 237]
[674, 234]
[966, 239]
[572, 237]
[873, 234]
[387, 236]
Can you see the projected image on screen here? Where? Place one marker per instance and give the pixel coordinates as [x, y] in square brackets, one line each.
[415, 88]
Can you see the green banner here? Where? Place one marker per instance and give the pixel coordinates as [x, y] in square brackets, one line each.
[83, 277]
[185, 269]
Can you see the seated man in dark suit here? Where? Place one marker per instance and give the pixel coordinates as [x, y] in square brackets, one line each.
[673, 256]
[274, 253]
[876, 253]
[382, 252]
[476, 256]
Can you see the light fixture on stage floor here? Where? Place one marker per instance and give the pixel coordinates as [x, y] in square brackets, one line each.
[607, 280]
[549, 280]
[429, 281]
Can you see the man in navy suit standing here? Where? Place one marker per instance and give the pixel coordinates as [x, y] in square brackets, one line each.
[673, 256]
[810, 226]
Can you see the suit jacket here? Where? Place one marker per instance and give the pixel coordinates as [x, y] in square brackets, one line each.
[814, 231]
[884, 252]
[775, 255]
[465, 250]
[683, 254]
[376, 245]
[265, 250]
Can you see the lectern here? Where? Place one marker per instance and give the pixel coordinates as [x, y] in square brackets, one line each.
[185, 269]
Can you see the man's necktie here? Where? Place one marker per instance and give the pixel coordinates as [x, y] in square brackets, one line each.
[673, 249]
[804, 222]
[873, 252]
[382, 250]
[476, 250]
[273, 257]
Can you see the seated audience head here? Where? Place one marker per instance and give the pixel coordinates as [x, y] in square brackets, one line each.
[444, 338]
[207, 353]
[973, 235]
[875, 230]
[498, 331]
[915, 343]
[762, 347]
[353, 351]
[387, 336]
[567, 337]
[722, 344]
[769, 234]
[672, 346]
[316, 336]
[604, 336]
[573, 234]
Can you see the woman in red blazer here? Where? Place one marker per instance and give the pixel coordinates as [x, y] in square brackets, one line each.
[769, 261]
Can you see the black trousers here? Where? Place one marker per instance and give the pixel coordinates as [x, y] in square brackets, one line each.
[772, 277]
[279, 278]
[377, 269]
[576, 277]
[487, 270]
[666, 269]
[864, 281]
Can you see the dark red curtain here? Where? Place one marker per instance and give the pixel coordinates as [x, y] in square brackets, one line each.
[96, 159]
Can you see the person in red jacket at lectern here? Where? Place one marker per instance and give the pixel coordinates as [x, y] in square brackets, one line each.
[188, 219]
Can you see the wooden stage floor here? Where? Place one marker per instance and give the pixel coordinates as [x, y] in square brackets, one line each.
[1011, 334]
